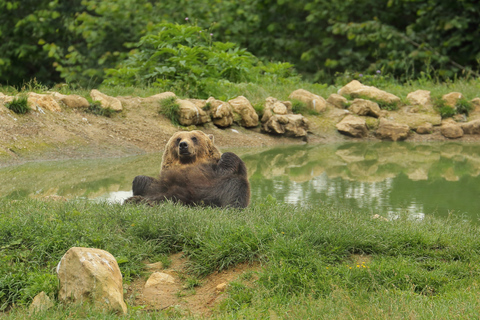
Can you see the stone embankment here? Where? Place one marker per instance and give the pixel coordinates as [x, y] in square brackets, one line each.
[355, 112]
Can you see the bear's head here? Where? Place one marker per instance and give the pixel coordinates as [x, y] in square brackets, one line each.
[187, 147]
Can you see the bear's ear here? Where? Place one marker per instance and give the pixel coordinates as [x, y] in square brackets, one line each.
[211, 137]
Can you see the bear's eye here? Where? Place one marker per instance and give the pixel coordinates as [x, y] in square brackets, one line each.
[178, 141]
[194, 139]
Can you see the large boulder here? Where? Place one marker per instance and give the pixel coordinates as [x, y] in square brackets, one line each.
[73, 101]
[390, 130]
[313, 101]
[244, 113]
[43, 101]
[353, 126]
[451, 130]
[106, 101]
[87, 274]
[357, 90]
[191, 114]
[221, 112]
[471, 127]
[363, 107]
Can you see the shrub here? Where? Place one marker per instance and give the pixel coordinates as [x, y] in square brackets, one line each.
[19, 105]
[186, 58]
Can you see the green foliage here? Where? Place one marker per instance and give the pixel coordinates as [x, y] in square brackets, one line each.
[19, 105]
[185, 58]
[300, 107]
[76, 41]
[170, 108]
[97, 109]
[259, 109]
[463, 106]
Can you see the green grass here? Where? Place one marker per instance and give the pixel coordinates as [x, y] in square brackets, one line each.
[19, 105]
[170, 108]
[317, 262]
[96, 109]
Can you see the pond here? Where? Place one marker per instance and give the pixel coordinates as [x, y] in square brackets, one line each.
[383, 178]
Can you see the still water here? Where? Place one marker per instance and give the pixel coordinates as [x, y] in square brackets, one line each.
[382, 178]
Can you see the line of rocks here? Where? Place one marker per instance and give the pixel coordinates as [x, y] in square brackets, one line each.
[360, 116]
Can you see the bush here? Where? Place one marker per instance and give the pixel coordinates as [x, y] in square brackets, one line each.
[186, 58]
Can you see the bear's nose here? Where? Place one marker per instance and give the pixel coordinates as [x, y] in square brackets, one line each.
[183, 145]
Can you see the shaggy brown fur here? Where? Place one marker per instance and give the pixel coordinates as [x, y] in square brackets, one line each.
[194, 173]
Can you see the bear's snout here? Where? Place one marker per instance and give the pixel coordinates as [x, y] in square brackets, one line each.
[184, 148]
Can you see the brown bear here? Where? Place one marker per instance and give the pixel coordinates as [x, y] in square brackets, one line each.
[194, 172]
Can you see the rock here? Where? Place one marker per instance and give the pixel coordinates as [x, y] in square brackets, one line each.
[106, 101]
[313, 101]
[353, 126]
[191, 114]
[358, 90]
[451, 130]
[273, 107]
[294, 125]
[244, 113]
[5, 99]
[159, 96]
[159, 278]
[350, 87]
[88, 274]
[365, 108]
[471, 127]
[425, 128]
[452, 98]
[221, 287]
[40, 303]
[390, 130]
[475, 104]
[221, 112]
[337, 101]
[460, 117]
[421, 98]
[44, 101]
[414, 120]
[72, 101]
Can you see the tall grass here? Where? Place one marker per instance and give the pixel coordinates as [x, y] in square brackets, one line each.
[315, 261]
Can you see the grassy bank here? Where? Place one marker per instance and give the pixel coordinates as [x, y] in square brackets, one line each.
[315, 262]
[279, 88]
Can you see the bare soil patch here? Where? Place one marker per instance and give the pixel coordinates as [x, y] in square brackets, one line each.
[181, 296]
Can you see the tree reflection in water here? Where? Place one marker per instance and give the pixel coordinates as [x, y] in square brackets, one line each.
[382, 177]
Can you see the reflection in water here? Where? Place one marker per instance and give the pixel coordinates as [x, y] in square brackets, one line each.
[383, 178]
